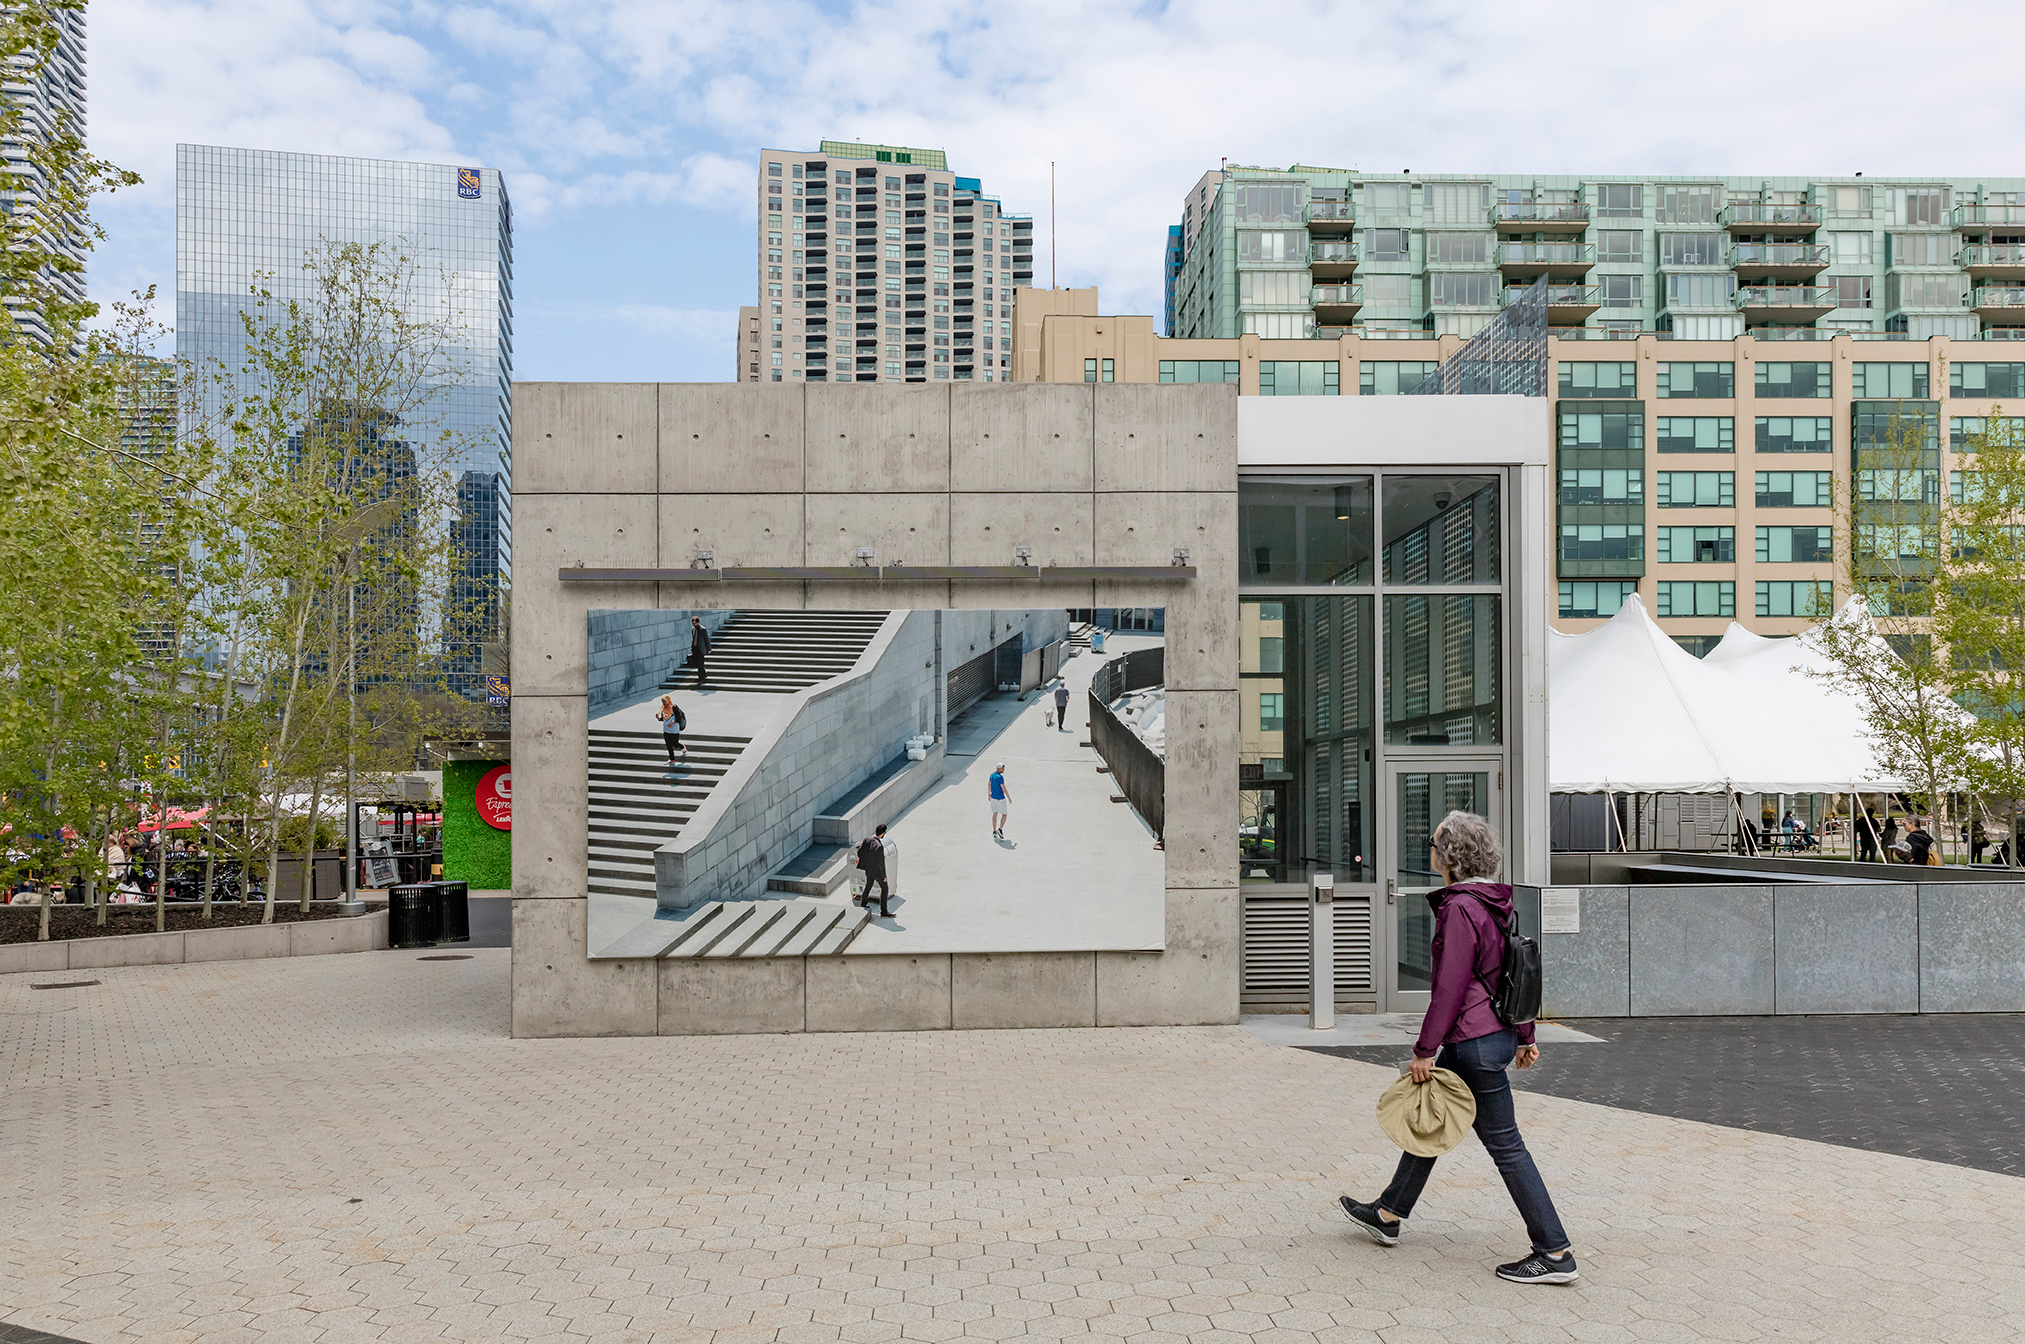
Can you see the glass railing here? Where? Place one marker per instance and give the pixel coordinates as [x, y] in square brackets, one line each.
[1395, 334]
[1340, 295]
[1998, 296]
[1790, 334]
[1779, 254]
[1758, 214]
[1601, 333]
[2003, 334]
[1560, 296]
[1786, 296]
[1992, 254]
[1967, 215]
[1334, 254]
[1339, 212]
[1531, 212]
[1546, 254]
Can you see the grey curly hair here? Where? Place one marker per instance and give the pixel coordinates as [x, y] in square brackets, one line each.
[1466, 844]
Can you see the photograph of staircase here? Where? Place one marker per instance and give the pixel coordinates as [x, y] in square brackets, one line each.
[639, 804]
[782, 651]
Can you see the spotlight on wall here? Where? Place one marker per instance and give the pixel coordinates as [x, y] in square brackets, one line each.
[703, 558]
[1181, 555]
[1023, 555]
[865, 554]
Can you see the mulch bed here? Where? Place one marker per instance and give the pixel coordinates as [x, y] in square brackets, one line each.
[20, 923]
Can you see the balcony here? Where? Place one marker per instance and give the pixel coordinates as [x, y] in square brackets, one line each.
[1556, 261]
[1996, 261]
[2003, 334]
[1999, 303]
[1983, 216]
[1541, 217]
[1336, 304]
[1566, 304]
[1330, 217]
[1332, 259]
[1779, 261]
[1785, 303]
[1755, 217]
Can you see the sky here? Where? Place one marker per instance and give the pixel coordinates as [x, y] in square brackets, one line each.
[629, 131]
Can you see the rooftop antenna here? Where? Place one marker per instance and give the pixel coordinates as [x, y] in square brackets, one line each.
[1051, 223]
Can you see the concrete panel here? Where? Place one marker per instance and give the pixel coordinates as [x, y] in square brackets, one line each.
[17, 958]
[366, 933]
[1846, 949]
[1972, 948]
[731, 437]
[878, 993]
[1202, 769]
[1020, 437]
[558, 991]
[728, 996]
[127, 949]
[1173, 437]
[1588, 974]
[551, 748]
[245, 943]
[742, 529]
[1701, 951]
[1144, 529]
[1026, 989]
[554, 531]
[1193, 983]
[900, 529]
[985, 529]
[885, 437]
[583, 438]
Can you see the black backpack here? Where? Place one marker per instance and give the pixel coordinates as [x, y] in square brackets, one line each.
[1516, 998]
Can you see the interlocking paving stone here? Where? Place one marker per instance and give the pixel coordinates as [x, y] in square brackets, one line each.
[1944, 1087]
[183, 1146]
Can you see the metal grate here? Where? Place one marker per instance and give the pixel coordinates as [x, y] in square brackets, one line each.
[1273, 955]
[1507, 358]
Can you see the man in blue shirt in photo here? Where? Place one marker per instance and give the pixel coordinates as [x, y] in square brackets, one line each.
[1001, 801]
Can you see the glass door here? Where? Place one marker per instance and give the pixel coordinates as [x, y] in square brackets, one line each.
[1422, 793]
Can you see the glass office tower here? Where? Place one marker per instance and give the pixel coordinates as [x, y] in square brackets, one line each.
[247, 217]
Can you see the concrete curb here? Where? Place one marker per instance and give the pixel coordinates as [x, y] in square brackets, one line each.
[245, 942]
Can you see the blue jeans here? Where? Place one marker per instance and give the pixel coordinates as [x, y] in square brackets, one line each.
[1481, 1063]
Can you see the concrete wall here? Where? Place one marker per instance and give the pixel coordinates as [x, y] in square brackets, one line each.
[781, 474]
[245, 942]
[1690, 951]
[632, 652]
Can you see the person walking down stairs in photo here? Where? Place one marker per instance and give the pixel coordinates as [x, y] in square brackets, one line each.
[1001, 801]
[699, 649]
[673, 721]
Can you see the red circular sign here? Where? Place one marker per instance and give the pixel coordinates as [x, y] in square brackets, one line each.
[495, 797]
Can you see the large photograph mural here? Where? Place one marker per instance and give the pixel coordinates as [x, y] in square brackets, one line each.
[789, 782]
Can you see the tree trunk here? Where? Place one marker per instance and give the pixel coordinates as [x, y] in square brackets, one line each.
[309, 845]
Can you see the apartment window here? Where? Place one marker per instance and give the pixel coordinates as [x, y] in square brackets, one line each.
[1620, 291]
[1456, 202]
[1618, 245]
[1602, 485]
[1389, 291]
[1921, 249]
[1388, 245]
[1967, 432]
[1885, 382]
[1691, 249]
[1603, 541]
[1265, 246]
[1795, 597]
[1697, 598]
[1385, 378]
[1198, 371]
[1388, 198]
[1266, 204]
[1851, 291]
[1458, 249]
[1776, 379]
[1688, 205]
[1706, 379]
[1110, 371]
[1918, 206]
[1089, 370]
[773, 170]
[1986, 380]
[1850, 249]
[1795, 489]
[1697, 434]
[1618, 200]
[1272, 711]
[1602, 424]
[1697, 545]
[1282, 289]
[1696, 489]
[1580, 377]
[1795, 434]
[1298, 378]
[1580, 601]
[1696, 290]
[1796, 545]
[1463, 289]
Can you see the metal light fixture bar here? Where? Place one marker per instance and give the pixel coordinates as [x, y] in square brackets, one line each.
[876, 573]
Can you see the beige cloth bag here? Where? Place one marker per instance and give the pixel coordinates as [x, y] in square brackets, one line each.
[1428, 1119]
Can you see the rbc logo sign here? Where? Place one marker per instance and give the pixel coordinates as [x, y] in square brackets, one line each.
[467, 183]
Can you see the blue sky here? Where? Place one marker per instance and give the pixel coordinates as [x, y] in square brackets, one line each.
[628, 129]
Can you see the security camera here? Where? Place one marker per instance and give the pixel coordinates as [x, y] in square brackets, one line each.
[1442, 499]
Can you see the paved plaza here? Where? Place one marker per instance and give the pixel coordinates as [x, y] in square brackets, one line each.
[348, 1148]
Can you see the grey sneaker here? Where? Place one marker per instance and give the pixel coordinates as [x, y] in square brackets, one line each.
[1366, 1217]
[1539, 1267]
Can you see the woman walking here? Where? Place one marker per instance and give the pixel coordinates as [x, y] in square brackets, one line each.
[1462, 1033]
[673, 721]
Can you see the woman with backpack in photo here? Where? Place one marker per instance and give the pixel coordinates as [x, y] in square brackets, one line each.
[1463, 1032]
[673, 721]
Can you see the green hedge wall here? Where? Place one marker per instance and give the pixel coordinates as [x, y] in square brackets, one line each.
[472, 851]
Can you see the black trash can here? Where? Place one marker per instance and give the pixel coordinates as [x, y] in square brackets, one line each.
[414, 915]
[456, 906]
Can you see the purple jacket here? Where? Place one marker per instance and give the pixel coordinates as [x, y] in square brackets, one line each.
[1467, 945]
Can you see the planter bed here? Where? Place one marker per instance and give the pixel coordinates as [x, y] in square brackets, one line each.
[76, 941]
[20, 923]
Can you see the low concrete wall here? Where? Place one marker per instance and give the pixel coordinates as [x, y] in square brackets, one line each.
[632, 652]
[244, 942]
[1700, 951]
[881, 805]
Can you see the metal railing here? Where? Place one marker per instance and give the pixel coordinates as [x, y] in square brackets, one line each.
[1998, 296]
[1992, 254]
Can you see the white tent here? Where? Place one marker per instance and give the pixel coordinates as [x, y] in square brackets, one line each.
[1630, 711]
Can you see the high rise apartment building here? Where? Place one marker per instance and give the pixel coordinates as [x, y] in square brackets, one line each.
[878, 264]
[51, 103]
[250, 217]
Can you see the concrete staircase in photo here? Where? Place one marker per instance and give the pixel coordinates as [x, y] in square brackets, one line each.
[791, 928]
[1079, 635]
[781, 652]
[637, 805]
